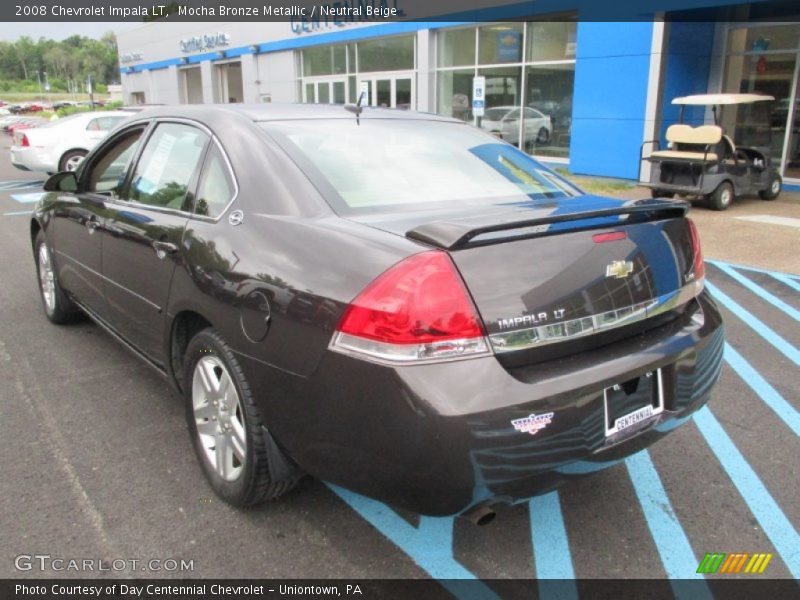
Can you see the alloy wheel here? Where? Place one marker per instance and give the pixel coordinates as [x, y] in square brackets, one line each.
[73, 162]
[47, 279]
[219, 418]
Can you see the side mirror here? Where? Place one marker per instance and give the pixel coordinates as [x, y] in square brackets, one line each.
[65, 181]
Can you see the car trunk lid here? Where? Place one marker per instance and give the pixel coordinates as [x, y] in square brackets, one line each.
[547, 275]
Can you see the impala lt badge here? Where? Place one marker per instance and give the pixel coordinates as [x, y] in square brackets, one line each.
[619, 269]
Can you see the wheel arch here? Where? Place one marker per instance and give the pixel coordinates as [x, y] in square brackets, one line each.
[185, 325]
[35, 228]
[67, 151]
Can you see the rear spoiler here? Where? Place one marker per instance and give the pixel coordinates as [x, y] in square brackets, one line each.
[452, 235]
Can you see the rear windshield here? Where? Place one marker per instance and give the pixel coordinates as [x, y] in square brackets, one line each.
[392, 165]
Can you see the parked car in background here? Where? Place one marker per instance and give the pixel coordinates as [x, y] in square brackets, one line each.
[60, 145]
[26, 124]
[503, 121]
[21, 122]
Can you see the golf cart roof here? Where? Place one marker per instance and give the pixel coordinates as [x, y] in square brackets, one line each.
[714, 99]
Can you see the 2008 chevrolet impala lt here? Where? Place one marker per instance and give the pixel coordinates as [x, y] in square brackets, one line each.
[394, 302]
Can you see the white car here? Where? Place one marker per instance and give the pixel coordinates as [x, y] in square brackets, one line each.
[503, 121]
[60, 145]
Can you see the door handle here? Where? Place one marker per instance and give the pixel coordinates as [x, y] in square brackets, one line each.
[164, 248]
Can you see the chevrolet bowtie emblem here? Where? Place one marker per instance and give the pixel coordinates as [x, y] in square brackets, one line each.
[619, 269]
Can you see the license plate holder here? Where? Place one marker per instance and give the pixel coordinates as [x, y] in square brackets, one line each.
[629, 403]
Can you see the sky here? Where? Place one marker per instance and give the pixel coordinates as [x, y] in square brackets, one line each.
[59, 31]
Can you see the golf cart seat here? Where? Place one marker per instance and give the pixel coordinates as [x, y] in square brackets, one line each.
[690, 143]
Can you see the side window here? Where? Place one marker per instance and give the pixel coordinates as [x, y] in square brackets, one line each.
[513, 115]
[216, 187]
[107, 174]
[167, 165]
[103, 123]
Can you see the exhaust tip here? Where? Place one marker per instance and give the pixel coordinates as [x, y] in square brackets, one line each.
[481, 515]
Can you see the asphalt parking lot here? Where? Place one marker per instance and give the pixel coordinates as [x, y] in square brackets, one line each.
[97, 464]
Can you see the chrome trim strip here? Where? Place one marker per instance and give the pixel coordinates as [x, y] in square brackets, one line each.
[542, 335]
[104, 278]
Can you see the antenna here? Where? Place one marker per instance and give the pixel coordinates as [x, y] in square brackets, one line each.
[356, 108]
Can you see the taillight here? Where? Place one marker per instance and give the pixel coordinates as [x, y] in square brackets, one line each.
[698, 265]
[23, 141]
[417, 310]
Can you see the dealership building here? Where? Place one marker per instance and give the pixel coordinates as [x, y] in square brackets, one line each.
[564, 86]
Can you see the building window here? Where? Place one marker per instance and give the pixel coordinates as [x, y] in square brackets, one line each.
[762, 59]
[386, 54]
[383, 68]
[530, 72]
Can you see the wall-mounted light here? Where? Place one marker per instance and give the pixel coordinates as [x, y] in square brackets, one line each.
[221, 54]
[255, 48]
[184, 60]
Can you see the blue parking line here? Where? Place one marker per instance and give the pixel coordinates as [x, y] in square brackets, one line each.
[715, 261]
[755, 324]
[762, 505]
[551, 553]
[18, 185]
[28, 198]
[677, 556]
[17, 213]
[759, 291]
[787, 413]
[430, 545]
[787, 281]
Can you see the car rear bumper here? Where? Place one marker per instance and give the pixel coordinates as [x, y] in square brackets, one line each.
[30, 159]
[438, 439]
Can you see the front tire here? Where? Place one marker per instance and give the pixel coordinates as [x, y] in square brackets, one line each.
[232, 445]
[772, 190]
[722, 197]
[56, 303]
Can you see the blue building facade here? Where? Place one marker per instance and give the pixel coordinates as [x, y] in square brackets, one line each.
[563, 80]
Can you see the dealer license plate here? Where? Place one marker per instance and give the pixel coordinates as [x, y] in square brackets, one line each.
[632, 402]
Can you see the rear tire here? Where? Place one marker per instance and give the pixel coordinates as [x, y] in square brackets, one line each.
[58, 307]
[71, 160]
[232, 444]
[773, 189]
[722, 197]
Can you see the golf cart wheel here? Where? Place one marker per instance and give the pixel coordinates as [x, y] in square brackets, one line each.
[773, 189]
[722, 197]
[661, 194]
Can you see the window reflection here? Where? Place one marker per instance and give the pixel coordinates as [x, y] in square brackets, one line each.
[530, 72]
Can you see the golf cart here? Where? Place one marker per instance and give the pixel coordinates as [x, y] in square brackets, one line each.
[703, 162]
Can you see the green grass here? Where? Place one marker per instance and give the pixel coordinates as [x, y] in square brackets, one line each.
[597, 185]
[14, 97]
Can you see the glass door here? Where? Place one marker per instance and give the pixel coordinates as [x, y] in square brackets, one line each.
[792, 150]
[389, 90]
[325, 90]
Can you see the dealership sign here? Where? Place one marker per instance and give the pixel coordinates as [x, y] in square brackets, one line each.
[205, 42]
[130, 57]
